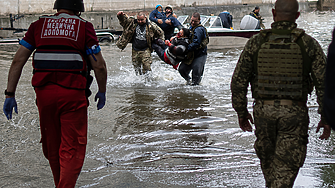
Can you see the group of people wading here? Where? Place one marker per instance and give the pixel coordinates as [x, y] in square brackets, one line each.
[186, 51]
[280, 82]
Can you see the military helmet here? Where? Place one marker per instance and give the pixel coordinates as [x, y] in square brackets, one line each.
[75, 5]
[169, 6]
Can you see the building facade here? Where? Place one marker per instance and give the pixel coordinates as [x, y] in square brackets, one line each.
[46, 6]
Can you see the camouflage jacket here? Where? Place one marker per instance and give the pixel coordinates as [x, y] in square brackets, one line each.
[129, 26]
[244, 70]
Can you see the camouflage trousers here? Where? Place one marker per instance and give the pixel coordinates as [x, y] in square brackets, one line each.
[141, 61]
[281, 144]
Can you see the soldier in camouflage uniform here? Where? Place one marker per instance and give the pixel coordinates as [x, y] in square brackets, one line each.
[280, 63]
[329, 97]
[140, 32]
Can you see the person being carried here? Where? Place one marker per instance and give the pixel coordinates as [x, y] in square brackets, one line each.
[175, 51]
[167, 20]
[157, 15]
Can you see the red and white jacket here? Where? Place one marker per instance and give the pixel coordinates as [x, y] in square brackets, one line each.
[60, 58]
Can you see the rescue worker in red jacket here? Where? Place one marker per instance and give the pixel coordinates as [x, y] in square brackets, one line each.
[65, 48]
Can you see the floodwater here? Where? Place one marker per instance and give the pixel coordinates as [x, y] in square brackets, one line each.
[159, 132]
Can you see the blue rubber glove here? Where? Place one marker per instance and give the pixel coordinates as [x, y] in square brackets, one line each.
[8, 106]
[102, 99]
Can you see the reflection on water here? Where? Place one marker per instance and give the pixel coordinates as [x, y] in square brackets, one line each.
[158, 132]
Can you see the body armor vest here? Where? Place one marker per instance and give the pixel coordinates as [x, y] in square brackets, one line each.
[281, 70]
[204, 42]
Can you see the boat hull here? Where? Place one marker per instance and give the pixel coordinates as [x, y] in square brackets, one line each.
[235, 33]
[227, 38]
[224, 42]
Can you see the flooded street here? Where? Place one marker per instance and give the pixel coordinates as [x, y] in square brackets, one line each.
[159, 132]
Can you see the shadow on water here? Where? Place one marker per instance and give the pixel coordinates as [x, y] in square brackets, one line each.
[148, 108]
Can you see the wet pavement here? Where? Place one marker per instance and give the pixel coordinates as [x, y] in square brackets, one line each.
[157, 131]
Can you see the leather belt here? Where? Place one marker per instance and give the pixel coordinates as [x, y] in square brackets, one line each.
[282, 102]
